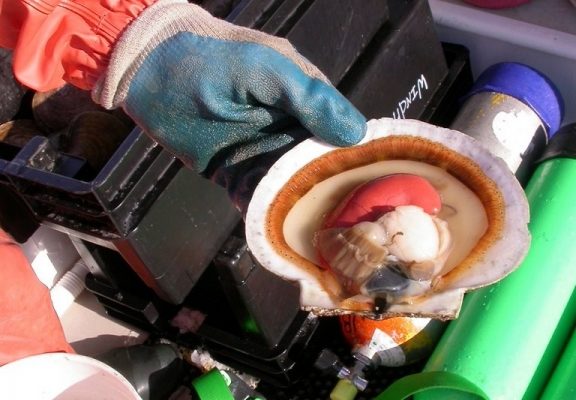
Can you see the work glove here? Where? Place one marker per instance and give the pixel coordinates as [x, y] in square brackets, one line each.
[226, 100]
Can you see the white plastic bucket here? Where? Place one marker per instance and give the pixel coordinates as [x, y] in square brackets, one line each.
[64, 377]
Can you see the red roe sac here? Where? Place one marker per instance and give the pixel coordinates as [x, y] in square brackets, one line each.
[372, 199]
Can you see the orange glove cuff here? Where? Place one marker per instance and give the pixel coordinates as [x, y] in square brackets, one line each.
[55, 42]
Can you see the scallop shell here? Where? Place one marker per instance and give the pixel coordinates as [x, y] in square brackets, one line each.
[497, 252]
[53, 110]
[19, 131]
[94, 136]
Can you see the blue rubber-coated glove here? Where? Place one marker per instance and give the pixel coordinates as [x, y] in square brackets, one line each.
[227, 100]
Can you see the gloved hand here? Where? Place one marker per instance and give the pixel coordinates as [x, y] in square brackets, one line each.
[222, 98]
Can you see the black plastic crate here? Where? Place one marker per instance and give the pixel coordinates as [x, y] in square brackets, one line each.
[166, 221]
[383, 55]
[15, 215]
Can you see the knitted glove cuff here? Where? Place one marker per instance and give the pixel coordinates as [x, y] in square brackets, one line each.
[165, 19]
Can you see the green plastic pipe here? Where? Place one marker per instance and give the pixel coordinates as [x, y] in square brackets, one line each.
[212, 386]
[509, 336]
[562, 384]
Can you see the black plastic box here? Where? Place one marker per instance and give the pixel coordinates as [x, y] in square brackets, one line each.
[166, 221]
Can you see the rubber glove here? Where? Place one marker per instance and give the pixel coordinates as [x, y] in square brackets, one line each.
[28, 323]
[63, 41]
[226, 100]
[221, 97]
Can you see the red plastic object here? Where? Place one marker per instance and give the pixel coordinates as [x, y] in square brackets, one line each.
[373, 199]
[28, 323]
[55, 42]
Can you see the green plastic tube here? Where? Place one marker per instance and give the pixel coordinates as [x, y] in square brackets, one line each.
[510, 335]
[562, 384]
[212, 386]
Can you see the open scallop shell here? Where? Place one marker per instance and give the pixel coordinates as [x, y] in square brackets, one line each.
[499, 249]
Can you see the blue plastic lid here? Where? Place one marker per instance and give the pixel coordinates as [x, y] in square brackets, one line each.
[526, 85]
